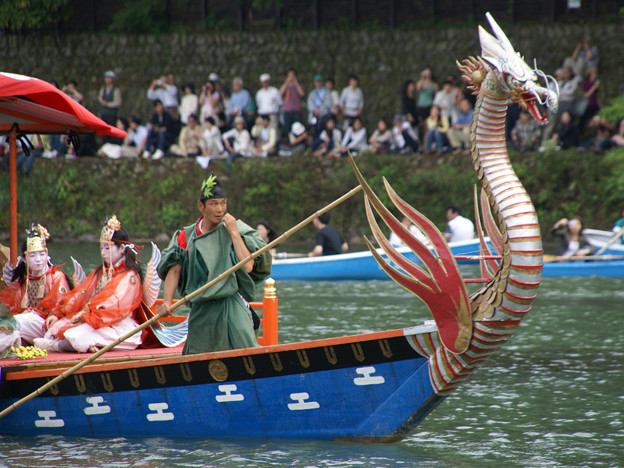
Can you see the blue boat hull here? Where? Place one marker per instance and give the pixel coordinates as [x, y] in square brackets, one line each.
[358, 266]
[368, 389]
[608, 268]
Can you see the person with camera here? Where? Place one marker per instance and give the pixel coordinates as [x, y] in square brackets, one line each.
[164, 90]
[292, 93]
[210, 100]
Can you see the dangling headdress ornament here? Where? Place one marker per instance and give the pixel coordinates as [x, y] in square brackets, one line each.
[36, 238]
[211, 188]
[112, 225]
[106, 237]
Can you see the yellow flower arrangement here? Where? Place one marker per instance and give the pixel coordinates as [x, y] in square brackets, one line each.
[28, 352]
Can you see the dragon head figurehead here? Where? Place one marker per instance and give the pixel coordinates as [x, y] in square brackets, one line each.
[509, 74]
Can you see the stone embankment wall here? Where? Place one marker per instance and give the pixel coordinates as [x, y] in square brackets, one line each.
[382, 59]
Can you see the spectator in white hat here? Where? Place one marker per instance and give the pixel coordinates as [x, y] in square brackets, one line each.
[268, 100]
[297, 140]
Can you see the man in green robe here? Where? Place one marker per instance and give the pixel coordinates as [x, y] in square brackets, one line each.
[220, 318]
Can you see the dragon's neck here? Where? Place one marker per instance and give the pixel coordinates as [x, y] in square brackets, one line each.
[496, 315]
[519, 274]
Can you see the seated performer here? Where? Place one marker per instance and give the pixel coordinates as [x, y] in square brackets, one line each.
[102, 307]
[35, 286]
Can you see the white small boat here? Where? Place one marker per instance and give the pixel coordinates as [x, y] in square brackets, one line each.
[600, 239]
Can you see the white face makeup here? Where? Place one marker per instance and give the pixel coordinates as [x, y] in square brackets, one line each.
[111, 253]
[37, 262]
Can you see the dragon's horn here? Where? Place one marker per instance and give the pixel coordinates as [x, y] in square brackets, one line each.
[500, 34]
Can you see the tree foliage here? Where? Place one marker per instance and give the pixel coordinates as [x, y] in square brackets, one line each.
[614, 112]
[141, 17]
[19, 15]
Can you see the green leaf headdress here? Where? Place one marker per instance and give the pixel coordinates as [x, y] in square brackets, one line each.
[211, 188]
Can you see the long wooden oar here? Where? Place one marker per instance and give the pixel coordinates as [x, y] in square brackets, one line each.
[184, 300]
[611, 241]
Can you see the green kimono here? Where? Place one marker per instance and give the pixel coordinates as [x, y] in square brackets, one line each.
[219, 317]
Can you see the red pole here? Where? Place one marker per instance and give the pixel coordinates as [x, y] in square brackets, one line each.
[13, 194]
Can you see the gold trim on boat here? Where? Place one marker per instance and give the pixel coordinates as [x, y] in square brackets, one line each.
[54, 390]
[80, 384]
[160, 375]
[303, 358]
[218, 370]
[249, 365]
[134, 378]
[330, 354]
[106, 381]
[384, 345]
[357, 351]
[186, 371]
[276, 361]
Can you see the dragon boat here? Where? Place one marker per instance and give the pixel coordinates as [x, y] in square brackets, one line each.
[374, 386]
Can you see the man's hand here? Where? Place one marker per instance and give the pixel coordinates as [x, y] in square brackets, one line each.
[165, 309]
[230, 224]
[241, 250]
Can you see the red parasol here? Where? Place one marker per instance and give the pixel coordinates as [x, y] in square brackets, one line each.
[29, 105]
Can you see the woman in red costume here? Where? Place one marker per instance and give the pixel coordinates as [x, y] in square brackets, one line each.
[35, 286]
[102, 307]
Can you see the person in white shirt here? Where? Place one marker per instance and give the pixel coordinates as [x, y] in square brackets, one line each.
[189, 104]
[265, 137]
[189, 140]
[268, 100]
[133, 144]
[403, 135]
[445, 99]
[237, 140]
[396, 242]
[351, 100]
[167, 93]
[458, 228]
[354, 139]
[335, 97]
[211, 143]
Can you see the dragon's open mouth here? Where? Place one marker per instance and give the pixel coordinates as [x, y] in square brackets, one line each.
[539, 96]
[530, 102]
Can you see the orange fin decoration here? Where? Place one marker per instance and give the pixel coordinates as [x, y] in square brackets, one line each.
[474, 71]
[441, 287]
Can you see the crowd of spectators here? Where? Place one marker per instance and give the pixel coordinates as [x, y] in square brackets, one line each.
[229, 123]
